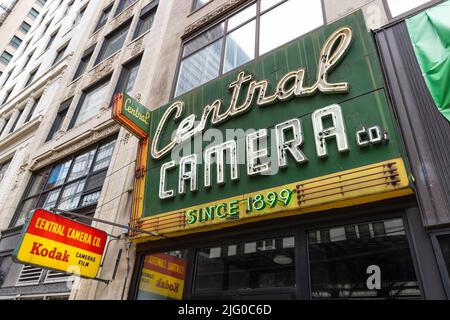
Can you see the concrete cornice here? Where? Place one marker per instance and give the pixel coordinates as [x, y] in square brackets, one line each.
[23, 131]
[70, 146]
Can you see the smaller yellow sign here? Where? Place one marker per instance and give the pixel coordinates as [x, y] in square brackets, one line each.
[163, 275]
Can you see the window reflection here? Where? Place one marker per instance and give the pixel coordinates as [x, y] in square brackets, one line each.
[279, 22]
[199, 68]
[397, 7]
[240, 46]
[339, 258]
[288, 21]
[163, 276]
[256, 264]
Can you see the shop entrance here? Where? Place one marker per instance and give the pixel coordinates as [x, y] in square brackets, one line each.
[363, 258]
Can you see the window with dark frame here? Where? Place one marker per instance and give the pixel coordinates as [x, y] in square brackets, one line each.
[340, 256]
[4, 126]
[79, 17]
[74, 184]
[59, 119]
[123, 4]
[6, 57]
[33, 13]
[24, 27]
[103, 17]
[90, 102]
[3, 168]
[8, 75]
[146, 19]
[113, 42]
[13, 127]
[60, 54]
[84, 62]
[199, 3]
[128, 76]
[31, 77]
[8, 94]
[252, 31]
[27, 59]
[15, 42]
[50, 41]
[33, 108]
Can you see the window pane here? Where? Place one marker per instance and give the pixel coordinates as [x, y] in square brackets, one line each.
[104, 156]
[200, 3]
[58, 175]
[240, 46]
[289, 21]
[90, 199]
[170, 264]
[113, 43]
[261, 264]
[199, 68]
[266, 4]
[81, 165]
[92, 103]
[203, 39]
[444, 242]
[398, 7]
[241, 17]
[39, 182]
[27, 206]
[48, 200]
[71, 195]
[340, 257]
[144, 24]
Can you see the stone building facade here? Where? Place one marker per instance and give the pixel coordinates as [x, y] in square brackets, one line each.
[65, 150]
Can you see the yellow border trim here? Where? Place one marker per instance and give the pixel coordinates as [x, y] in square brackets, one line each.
[375, 182]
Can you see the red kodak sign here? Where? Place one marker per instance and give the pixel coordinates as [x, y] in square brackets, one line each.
[51, 241]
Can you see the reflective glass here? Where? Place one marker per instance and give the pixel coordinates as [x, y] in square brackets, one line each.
[203, 39]
[398, 7]
[266, 4]
[81, 165]
[289, 21]
[199, 68]
[92, 103]
[48, 200]
[71, 195]
[58, 174]
[266, 263]
[240, 46]
[342, 259]
[27, 206]
[163, 276]
[104, 156]
[241, 17]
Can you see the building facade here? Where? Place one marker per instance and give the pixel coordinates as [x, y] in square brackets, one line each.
[16, 19]
[263, 151]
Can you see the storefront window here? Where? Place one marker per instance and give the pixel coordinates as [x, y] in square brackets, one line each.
[163, 276]
[248, 265]
[444, 242]
[369, 260]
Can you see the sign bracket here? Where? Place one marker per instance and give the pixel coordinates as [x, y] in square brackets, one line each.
[129, 228]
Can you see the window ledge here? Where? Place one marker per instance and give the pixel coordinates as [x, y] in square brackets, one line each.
[140, 37]
[25, 129]
[125, 10]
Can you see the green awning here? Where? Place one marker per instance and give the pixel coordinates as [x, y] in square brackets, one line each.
[430, 36]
